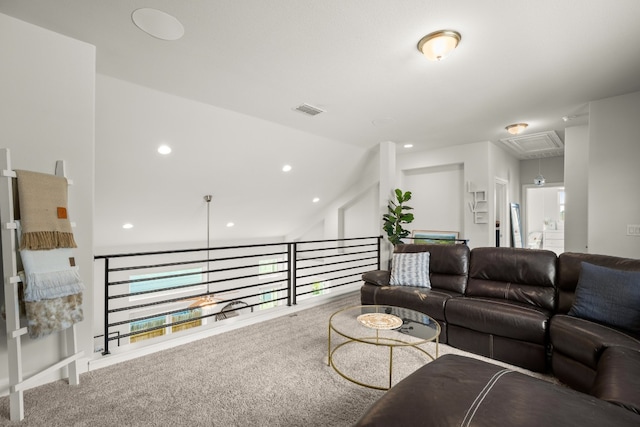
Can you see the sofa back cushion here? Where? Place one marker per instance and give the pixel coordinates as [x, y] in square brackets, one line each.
[569, 266]
[514, 274]
[448, 264]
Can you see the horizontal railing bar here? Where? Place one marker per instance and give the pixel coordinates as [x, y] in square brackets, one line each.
[338, 262]
[182, 251]
[334, 271]
[134, 294]
[337, 240]
[335, 247]
[147, 279]
[166, 313]
[337, 255]
[329, 278]
[200, 261]
[328, 287]
[185, 298]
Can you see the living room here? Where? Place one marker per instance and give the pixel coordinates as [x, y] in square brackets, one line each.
[61, 102]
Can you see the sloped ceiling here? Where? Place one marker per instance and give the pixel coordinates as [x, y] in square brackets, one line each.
[518, 61]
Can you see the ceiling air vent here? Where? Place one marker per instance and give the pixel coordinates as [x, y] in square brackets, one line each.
[309, 110]
[534, 145]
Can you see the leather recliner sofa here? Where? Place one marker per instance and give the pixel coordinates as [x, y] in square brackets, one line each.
[578, 344]
[514, 307]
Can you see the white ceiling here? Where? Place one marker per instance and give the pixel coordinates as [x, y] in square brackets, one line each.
[518, 61]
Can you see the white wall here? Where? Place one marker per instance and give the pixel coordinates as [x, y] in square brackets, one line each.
[436, 197]
[552, 168]
[614, 175]
[47, 100]
[576, 176]
[481, 163]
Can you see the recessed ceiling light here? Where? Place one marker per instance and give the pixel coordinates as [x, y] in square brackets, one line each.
[127, 226]
[408, 145]
[164, 149]
[230, 224]
[158, 24]
[316, 199]
[286, 168]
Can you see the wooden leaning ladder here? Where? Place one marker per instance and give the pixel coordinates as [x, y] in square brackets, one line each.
[17, 384]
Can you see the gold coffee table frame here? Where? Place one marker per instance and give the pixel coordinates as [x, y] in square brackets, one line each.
[346, 324]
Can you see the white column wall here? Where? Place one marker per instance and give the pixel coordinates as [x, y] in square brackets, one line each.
[576, 176]
[614, 153]
[47, 98]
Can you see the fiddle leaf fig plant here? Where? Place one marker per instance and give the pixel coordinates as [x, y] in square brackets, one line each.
[397, 217]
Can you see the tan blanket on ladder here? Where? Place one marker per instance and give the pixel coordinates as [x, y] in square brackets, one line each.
[43, 211]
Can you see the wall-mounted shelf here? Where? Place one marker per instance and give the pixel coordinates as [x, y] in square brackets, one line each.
[479, 206]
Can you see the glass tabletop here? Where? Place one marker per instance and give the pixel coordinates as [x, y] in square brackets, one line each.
[385, 325]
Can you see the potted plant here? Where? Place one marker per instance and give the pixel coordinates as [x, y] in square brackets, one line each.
[397, 216]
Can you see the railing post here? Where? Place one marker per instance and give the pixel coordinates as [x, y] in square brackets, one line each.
[293, 254]
[106, 307]
[379, 253]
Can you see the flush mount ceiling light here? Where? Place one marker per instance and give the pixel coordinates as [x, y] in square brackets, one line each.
[438, 45]
[516, 128]
[158, 24]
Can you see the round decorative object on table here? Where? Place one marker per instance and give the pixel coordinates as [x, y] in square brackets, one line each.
[380, 320]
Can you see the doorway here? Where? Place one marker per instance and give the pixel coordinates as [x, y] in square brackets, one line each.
[544, 218]
[501, 210]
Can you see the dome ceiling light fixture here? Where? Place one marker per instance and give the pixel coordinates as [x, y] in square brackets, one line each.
[516, 128]
[438, 45]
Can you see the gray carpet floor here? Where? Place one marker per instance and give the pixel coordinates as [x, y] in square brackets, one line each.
[270, 374]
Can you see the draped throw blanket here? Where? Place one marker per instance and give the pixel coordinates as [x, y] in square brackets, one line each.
[52, 287]
[43, 211]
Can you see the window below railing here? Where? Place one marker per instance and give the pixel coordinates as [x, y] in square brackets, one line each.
[153, 294]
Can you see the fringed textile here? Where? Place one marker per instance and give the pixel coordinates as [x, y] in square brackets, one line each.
[43, 211]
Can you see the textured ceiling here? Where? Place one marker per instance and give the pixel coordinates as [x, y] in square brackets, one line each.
[518, 61]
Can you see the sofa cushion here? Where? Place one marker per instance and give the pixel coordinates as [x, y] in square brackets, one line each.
[410, 269]
[448, 264]
[520, 275]
[584, 341]
[460, 391]
[569, 266]
[428, 301]
[499, 317]
[608, 296]
[618, 378]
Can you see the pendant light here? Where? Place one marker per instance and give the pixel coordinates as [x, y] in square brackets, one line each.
[539, 180]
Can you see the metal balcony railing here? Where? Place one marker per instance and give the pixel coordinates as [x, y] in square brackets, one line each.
[151, 294]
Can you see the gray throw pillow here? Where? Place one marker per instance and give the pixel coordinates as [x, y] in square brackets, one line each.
[608, 296]
[410, 269]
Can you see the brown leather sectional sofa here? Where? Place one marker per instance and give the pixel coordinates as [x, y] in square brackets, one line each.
[511, 305]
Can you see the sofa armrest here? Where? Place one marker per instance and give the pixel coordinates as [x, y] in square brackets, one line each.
[377, 277]
[618, 378]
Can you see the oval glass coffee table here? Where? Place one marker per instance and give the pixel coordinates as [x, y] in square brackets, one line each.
[381, 325]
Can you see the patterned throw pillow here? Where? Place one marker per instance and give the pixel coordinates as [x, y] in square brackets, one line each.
[410, 269]
[608, 296]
